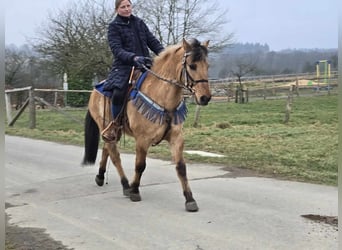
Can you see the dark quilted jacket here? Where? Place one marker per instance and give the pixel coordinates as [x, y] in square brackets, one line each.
[124, 45]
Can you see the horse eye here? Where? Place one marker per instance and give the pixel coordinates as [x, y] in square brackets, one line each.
[193, 66]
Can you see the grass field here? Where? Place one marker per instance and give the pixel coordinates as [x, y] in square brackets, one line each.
[251, 136]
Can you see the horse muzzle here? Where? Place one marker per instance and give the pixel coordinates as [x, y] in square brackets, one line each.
[203, 100]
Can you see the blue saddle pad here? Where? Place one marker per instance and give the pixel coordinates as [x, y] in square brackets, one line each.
[140, 81]
[108, 93]
[99, 87]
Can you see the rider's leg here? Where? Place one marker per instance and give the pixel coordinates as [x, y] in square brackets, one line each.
[113, 131]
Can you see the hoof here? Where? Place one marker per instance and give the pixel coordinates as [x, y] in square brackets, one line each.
[191, 206]
[135, 197]
[127, 192]
[99, 181]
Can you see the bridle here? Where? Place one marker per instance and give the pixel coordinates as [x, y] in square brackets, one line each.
[189, 82]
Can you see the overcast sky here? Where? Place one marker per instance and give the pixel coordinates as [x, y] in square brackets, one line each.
[282, 24]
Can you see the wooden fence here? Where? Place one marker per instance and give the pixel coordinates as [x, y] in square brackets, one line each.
[223, 90]
[273, 78]
[32, 99]
[270, 87]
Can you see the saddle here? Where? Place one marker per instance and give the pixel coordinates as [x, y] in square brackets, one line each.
[114, 128]
[131, 82]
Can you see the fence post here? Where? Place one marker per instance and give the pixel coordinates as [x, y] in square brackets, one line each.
[65, 87]
[297, 87]
[197, 113]
[237, 95]
[56, 97]
[8, 107]
[32, 109]
[289, 104]
[264, 91]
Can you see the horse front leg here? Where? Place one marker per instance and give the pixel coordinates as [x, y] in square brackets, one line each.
[140, 165]
[190, 203]
[177, 149]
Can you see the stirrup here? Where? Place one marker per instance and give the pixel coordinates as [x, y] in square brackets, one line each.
[112, 132]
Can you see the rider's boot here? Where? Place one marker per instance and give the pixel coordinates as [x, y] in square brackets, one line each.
[112, 133]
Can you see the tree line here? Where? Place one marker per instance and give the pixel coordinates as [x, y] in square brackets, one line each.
[73, 40]
[258, 59]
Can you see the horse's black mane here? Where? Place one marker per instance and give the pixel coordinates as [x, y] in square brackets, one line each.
[199, 52]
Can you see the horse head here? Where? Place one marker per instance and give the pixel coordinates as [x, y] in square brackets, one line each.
[194, 74]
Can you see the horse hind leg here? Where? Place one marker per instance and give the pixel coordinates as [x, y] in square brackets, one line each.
[99, 179]
[112, 151]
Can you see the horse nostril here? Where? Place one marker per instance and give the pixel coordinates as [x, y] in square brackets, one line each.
[204, 100]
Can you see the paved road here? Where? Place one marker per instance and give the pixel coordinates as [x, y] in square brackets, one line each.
[48, 189]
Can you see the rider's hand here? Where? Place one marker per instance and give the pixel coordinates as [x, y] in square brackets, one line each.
[140, 60]
[148, 62]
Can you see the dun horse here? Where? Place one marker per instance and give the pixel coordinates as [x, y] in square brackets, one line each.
[155, 111]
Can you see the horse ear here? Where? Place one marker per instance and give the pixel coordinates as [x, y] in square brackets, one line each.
[186, 45]
[206, 43]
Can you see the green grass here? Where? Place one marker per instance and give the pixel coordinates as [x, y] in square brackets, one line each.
[251, 136]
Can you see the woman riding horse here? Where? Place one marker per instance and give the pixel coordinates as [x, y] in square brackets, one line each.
[155, 111]
[129, 39]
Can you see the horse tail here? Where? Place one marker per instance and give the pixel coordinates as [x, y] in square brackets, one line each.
[91, 140]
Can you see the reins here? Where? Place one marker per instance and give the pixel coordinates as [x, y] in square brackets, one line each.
[188, 85]
[173, 82]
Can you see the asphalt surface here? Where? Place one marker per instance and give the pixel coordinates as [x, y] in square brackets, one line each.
[48, 190]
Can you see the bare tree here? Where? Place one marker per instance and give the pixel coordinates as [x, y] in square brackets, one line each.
[24, 67]
[75, 39]
[15, 65]
[243, 67]
[171, 20]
